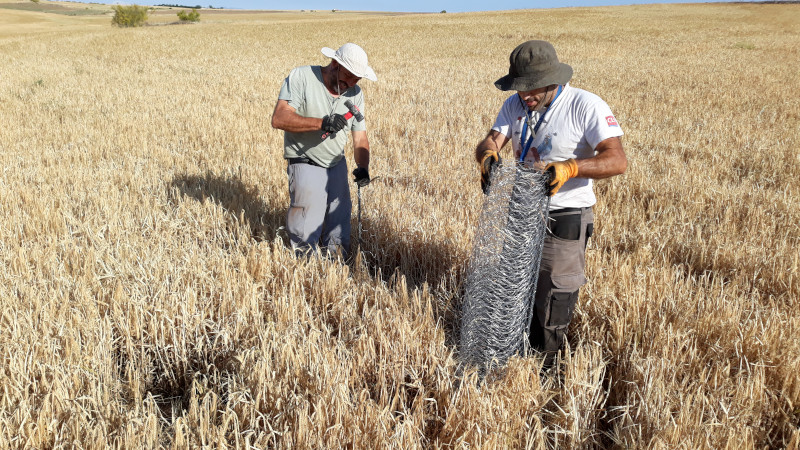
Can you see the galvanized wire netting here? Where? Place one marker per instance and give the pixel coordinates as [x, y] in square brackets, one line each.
[504, 267]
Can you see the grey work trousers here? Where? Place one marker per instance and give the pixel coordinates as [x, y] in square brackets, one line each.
[560, 277]
[319, 212]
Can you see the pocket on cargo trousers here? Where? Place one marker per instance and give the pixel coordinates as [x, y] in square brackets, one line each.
[566, 227]
[562, 306]
[296, 220]
[298, 202]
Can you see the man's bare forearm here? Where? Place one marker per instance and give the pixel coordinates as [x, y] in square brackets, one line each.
[609, 161]
[361, 155]
[361, 148]
[493, 141]
[285, 118]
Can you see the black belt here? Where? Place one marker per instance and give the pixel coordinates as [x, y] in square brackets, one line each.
[569, 210]
[302, 161]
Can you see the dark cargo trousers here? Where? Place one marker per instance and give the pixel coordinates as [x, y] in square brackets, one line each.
[560, 277]
[320, 207]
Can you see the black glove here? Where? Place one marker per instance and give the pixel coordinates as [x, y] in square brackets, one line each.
[361, 175]
[333, 123]
[490, 160]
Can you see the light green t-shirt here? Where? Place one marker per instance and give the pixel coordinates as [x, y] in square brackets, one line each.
[306, 93]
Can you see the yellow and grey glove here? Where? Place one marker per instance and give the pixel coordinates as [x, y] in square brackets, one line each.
[488, 162]
[560, 172]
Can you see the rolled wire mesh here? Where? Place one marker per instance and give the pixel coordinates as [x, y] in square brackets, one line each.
[504, 267]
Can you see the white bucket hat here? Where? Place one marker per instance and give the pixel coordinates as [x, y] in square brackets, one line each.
[353, 58]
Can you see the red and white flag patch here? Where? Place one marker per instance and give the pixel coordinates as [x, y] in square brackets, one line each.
[612, 121]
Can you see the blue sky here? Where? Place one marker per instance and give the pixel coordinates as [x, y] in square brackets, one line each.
[403, 6]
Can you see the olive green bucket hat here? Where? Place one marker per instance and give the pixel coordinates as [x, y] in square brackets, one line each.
[534, 65]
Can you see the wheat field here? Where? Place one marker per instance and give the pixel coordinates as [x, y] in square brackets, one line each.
[148, 299]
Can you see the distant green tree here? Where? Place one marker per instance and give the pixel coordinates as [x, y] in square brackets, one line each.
[193, 16]
[129, 16]
[35, 1]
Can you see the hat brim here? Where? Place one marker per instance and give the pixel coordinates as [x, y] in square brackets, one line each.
[368, 73]
[560, 75]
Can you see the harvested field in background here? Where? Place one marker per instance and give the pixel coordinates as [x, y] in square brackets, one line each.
[147, 297]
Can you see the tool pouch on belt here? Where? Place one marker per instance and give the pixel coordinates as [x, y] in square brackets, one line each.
[562, 268]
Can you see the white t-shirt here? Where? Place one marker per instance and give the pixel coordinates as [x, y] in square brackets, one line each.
[572, 127]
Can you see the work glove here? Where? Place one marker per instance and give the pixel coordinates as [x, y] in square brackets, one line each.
[560, 172]
[333, 123]
[361, 176]
[488, 163]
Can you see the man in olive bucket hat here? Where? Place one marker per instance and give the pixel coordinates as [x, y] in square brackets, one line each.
[313, 113]
[572, 134]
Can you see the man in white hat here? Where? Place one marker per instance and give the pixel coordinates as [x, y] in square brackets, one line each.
[574, 135]
[312, 113]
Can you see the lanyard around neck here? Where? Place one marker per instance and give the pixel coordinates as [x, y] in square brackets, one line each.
[535, 127]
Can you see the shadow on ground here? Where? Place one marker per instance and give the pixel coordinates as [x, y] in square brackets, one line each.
[240, 200]
[387, 253]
